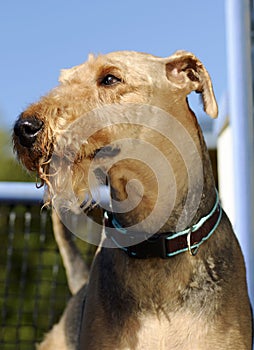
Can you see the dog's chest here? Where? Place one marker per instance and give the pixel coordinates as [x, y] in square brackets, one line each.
[173, 332]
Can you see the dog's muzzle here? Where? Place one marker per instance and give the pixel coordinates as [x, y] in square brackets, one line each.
[27, 130]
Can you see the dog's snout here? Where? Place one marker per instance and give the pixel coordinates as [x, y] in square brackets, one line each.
[27, 129]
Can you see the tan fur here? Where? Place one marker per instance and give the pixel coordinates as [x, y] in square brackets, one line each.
[55, 339]
[75, 267]
[184, 302]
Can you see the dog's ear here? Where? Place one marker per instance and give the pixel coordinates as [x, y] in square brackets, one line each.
[185, 71]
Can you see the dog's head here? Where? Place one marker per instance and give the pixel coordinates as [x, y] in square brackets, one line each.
[99, 103]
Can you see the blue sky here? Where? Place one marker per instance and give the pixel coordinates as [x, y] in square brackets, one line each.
[38, 38]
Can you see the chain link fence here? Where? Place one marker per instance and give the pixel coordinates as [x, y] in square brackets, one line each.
[33, 286]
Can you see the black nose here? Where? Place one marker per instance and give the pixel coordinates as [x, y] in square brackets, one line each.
[27, 129]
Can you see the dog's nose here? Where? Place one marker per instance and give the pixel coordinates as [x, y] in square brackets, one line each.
[27, 129]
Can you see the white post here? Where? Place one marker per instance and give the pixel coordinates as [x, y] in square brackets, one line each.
[238, 20]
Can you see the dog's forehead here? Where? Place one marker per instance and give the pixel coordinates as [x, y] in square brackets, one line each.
[125, 60]
[132, 56]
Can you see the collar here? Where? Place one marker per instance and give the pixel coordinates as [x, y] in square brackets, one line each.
[164, 245]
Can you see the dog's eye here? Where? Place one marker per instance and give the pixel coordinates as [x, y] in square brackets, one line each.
[109, 79]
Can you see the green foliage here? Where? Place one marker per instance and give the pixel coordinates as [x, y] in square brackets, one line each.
[10, 169]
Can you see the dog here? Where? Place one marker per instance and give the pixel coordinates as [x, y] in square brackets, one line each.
[169, 272]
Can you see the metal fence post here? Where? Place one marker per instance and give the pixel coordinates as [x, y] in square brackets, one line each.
[238, 22]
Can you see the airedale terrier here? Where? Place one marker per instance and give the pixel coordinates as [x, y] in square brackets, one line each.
[169, 273]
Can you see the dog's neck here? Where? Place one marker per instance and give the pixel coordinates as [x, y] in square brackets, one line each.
[140, 245]
[202, 193]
